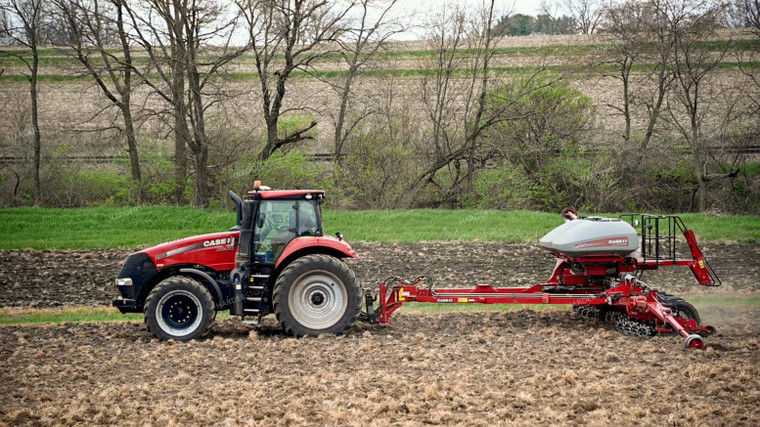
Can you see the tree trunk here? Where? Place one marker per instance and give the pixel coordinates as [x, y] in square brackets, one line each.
[339, 138]
[199, 144]
[702, 193]
[134, 159]
[696, 144]
[472, 138]
[202, 195]
[655, 111]
[37, 199]
[129, 129]
[701, 184]
[272, 139]
[627, 102]
[180, 159]
[126, 105]
[180, 130]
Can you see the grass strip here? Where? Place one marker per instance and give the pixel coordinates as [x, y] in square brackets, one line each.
[41, 316]
[14, 317]
[75, 315]
[139, 227]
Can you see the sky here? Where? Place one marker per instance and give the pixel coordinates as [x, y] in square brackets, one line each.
[420, 10]
[416, 13]
[528, 7]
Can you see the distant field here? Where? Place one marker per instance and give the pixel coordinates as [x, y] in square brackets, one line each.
[136, 227]
[52, 57]
[58, 64]
[239, 76]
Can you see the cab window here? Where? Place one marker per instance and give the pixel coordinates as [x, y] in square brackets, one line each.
[275, 228]
[307, 219]
[279, 222]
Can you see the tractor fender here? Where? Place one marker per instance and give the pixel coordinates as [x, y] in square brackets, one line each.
[315, 244]
[214, 285]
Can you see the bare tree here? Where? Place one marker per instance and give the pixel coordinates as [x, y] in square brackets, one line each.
[752, 14]
[188, 43]
[691, 22]
[587, 13]
[440, 92]
[640, 35]
[752, 90]
[361, 40]
[455, 93]
[286, 36]
[625, 24]
[89, 24]
[22, 23]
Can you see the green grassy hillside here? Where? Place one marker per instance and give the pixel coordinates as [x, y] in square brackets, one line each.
[136, 227]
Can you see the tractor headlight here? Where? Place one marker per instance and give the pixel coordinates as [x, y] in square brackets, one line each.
[124, 282]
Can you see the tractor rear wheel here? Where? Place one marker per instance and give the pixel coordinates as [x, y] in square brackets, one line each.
[316, 294]
[179, 308]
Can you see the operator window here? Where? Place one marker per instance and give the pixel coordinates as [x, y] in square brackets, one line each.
[307, 219]
[275, 228]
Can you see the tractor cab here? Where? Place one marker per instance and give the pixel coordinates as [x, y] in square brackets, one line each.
[269, 220]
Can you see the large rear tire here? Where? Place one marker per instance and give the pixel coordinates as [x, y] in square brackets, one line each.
[179, 308]
[316, 294]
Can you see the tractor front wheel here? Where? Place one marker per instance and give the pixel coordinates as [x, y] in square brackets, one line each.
[179, 308]
[316, 294]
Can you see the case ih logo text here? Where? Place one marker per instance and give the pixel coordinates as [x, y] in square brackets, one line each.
[217, 242]
[615, 241]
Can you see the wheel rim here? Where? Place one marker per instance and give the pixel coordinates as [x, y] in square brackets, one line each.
[694, 342]
[179, 313]
[317, 300]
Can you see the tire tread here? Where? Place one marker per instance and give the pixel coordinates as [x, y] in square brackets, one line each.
[279, 296]
[164, 286]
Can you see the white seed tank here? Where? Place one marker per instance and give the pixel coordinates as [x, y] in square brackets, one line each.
[592, 236]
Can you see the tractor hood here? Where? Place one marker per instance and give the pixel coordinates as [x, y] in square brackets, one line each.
[215, 250]
[218, 250]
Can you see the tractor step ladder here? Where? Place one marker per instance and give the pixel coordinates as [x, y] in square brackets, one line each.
[254, 297]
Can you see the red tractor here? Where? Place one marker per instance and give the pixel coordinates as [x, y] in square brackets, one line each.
[275, 260]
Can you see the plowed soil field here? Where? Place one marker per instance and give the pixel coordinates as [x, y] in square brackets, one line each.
[499, 368]
[44, 279]
[469, 368]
